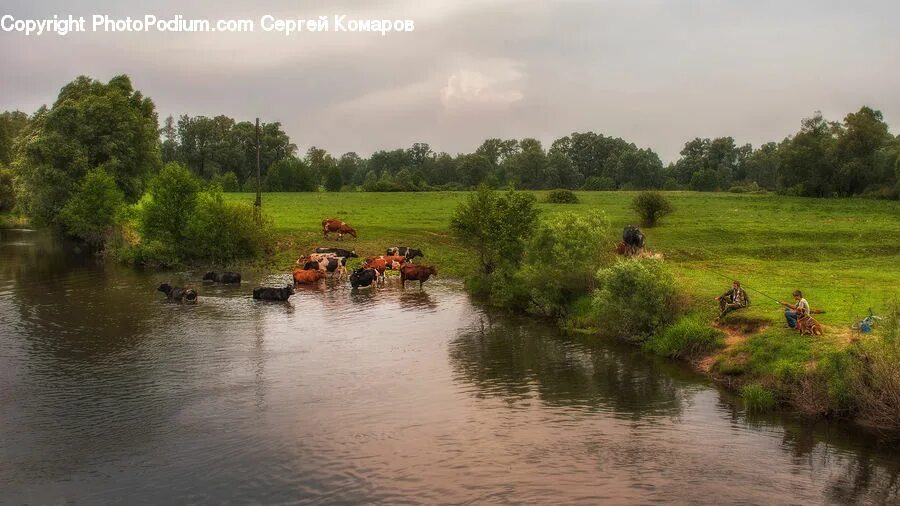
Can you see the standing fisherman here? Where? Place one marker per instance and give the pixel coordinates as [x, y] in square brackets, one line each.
[733, 299]
[794, 312]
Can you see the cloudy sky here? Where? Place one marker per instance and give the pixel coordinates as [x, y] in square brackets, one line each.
[654, 72]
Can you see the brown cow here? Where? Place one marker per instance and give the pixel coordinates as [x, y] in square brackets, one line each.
[416, 272]
[331, 225]
[302, 277]
[381, 264]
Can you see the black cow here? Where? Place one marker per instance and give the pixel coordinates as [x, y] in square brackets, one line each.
[339, 252]
[363, 277]
[266, 293]
[633, 237]
[404, 251]
[223, 277]
[179, 294]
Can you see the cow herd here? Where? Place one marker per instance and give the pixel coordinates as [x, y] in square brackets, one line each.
[326, 262]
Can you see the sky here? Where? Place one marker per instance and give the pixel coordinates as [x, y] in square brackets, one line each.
[657, 73]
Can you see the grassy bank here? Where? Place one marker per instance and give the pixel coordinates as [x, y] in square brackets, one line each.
[844, 255]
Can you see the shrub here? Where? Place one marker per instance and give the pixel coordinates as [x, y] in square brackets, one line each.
[758, 398]
[575, 243]
[93, 208]
[496, 226]
[876, 378]
[562, 197]
[751, 187]
[223, 232]
[228, 182]
[635, 298]
[595, 183]
[170, 200]
[7, 191]
[688, 338]
[651, 206]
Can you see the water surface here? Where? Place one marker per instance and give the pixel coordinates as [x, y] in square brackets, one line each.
[109, 394]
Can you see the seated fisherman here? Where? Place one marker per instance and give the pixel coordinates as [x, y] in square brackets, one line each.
[794, 312]
[733, 299]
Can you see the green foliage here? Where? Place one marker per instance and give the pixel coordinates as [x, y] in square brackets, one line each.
[691, 336]
[758, 398]
[170, 200]
[228, 182]
[93, 208]
[334, 181]
[775, 355]
[562, 197]
[223, 232]
[651, 206]
[561, 259]
[7, 190]
[596, 183]
[290, 175]
[12, 123]
[876, 379]
[635, 298]
[90, 125]
[496, 226]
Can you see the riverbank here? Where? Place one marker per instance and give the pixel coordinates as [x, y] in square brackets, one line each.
[10, 220]
[844, 255]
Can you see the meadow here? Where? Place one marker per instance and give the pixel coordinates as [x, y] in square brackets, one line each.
[843, 253]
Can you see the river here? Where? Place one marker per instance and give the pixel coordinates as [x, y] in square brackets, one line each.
[109, 394]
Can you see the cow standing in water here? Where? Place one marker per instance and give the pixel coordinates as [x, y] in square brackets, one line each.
[384, 263]
[416, 272]
[333, 226]
[363, 277]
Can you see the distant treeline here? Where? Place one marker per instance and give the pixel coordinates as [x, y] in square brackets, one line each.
[92, 124]
[824, 159]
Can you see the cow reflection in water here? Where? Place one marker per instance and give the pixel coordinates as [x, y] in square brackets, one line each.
[417, 300]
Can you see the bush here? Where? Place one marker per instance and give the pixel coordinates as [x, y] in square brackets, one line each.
[651, 206]
[688, 338]
[93, 208]
[758, 398]
[636, 298]
[562, 197]
[168, 204]
[228, 182]
[595, 183]
[7, 190]
[876, 379]
[575, 243]
[751, 187]
[496, 226]
[221, 232]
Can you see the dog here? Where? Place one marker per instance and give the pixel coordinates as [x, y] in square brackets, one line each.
[809, 326]
[179, 294]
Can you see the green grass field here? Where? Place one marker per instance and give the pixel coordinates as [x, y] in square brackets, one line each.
[844, 254]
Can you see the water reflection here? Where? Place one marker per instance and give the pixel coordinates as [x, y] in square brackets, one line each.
[368, 395]
[514, 358]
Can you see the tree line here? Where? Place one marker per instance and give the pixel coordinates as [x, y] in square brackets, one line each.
[43, 156]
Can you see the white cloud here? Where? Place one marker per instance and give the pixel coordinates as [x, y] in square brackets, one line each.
[488, 85]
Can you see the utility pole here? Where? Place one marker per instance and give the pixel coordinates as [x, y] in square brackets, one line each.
[258, 203]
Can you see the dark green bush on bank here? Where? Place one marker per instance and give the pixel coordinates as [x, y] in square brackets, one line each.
[688, 338]
[636, 298]
[177, 222]
[562, 197]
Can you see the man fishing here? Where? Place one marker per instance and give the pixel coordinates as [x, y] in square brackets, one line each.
[733, 299]
[794, 312]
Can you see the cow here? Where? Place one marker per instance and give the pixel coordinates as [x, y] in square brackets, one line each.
[416, 272]
[339, 252]
[304, 277]
[363, 277]
[279, 294]
[178, 294]
[632, 239]
[223, 277]
[383, 263]
[331, 225]
[406, 252]
[325, 262]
